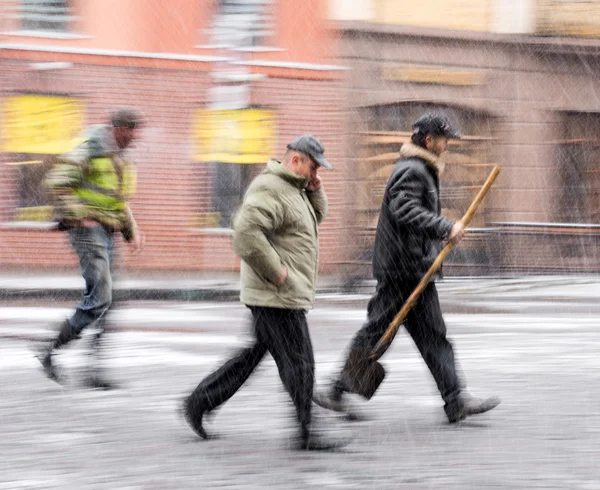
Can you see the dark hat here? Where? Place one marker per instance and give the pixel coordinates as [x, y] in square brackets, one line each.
[127, 117]
[435, 125]
[311, 146]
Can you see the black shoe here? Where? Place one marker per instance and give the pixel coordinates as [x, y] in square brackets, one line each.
[45, 357]
[96, 382]
[311, 440]
[193, 418]
[466, 405]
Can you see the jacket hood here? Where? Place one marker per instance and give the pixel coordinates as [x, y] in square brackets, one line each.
[410, 150]
[276, 168]
[102, 142]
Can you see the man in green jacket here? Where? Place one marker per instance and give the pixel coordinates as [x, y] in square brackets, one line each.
[90, 187]
[276, 236]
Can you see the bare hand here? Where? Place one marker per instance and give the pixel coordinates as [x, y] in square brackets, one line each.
[315, 184]
[457, 233]
[282, 276]
[137, 242]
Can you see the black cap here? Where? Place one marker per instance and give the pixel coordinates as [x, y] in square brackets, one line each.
[127, 117]
[312, 147]
[435, 125]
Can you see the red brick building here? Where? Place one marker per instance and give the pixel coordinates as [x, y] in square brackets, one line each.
[223, 85]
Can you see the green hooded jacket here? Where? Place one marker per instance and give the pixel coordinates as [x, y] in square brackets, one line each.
[277, 224]
[93, 181]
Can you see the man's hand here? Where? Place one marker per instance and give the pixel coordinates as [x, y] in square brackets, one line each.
[457, 233]
[315, 184]
[282, 276]
[137, 242]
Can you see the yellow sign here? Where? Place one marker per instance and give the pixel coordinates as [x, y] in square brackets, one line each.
[34, 213]
[578, 18]
[429, 74]
[205, 220]
[234, 136]
[40, 124]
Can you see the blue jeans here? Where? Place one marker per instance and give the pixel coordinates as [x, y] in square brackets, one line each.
[94, 247]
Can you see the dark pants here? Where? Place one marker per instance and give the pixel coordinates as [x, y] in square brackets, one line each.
[425, 325]
[283, 333]
[94, 247]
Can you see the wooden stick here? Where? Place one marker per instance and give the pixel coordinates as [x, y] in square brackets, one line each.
[391, 331]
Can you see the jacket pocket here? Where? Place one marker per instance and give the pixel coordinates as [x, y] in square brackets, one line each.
[256, 282]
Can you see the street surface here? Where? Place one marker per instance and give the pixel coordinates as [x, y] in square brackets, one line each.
[540, 356]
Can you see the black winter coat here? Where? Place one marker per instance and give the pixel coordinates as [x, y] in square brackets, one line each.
[411, 229]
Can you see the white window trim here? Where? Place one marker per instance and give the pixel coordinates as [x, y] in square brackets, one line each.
[243, 49]
[29, 225]
[169, 56]
[46, 34]
[212, 231]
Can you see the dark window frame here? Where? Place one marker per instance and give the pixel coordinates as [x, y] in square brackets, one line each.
[46, 15]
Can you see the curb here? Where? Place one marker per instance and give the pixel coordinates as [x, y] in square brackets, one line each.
[211, 294]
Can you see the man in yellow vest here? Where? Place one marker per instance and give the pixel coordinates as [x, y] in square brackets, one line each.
[90, 187]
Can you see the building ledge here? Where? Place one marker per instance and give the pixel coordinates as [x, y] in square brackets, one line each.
[317, 67]
[291, 64]
[212, 231]
[28, 225]
[530, 41]
[46, 34]
[111, 52]
[245, 49]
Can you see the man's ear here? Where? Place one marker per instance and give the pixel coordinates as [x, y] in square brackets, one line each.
[428, 141]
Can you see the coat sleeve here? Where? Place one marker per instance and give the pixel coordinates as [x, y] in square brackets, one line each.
[318, 200]
[260, 215]
[130, 226]
[66, 175]
[128, 185]
[408, 210]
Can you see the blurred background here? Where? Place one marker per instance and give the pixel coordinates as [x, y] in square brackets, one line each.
[226, 84]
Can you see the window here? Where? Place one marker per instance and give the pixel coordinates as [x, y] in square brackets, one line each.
[45, 15]
[242, 23]
[36, 127]
[578, 200]
[578, 156]
[231, 182]
[32, 202]
[381, 131]
[231, 147]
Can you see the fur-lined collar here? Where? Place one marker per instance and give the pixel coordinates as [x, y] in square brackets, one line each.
[410, 150]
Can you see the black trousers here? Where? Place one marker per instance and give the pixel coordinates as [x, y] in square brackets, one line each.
[283, 333]
[425, 325]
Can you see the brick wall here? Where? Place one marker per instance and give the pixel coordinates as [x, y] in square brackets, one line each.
[171, 187]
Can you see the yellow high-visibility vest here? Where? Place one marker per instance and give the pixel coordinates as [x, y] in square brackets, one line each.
[103, 189]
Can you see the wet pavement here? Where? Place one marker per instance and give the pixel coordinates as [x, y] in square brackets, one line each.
[543, 363]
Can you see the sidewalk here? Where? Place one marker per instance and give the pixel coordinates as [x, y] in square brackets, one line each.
[167, 285]
[142, 285]
[216, 286]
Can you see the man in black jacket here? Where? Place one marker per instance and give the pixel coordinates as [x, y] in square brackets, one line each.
[410, 234]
